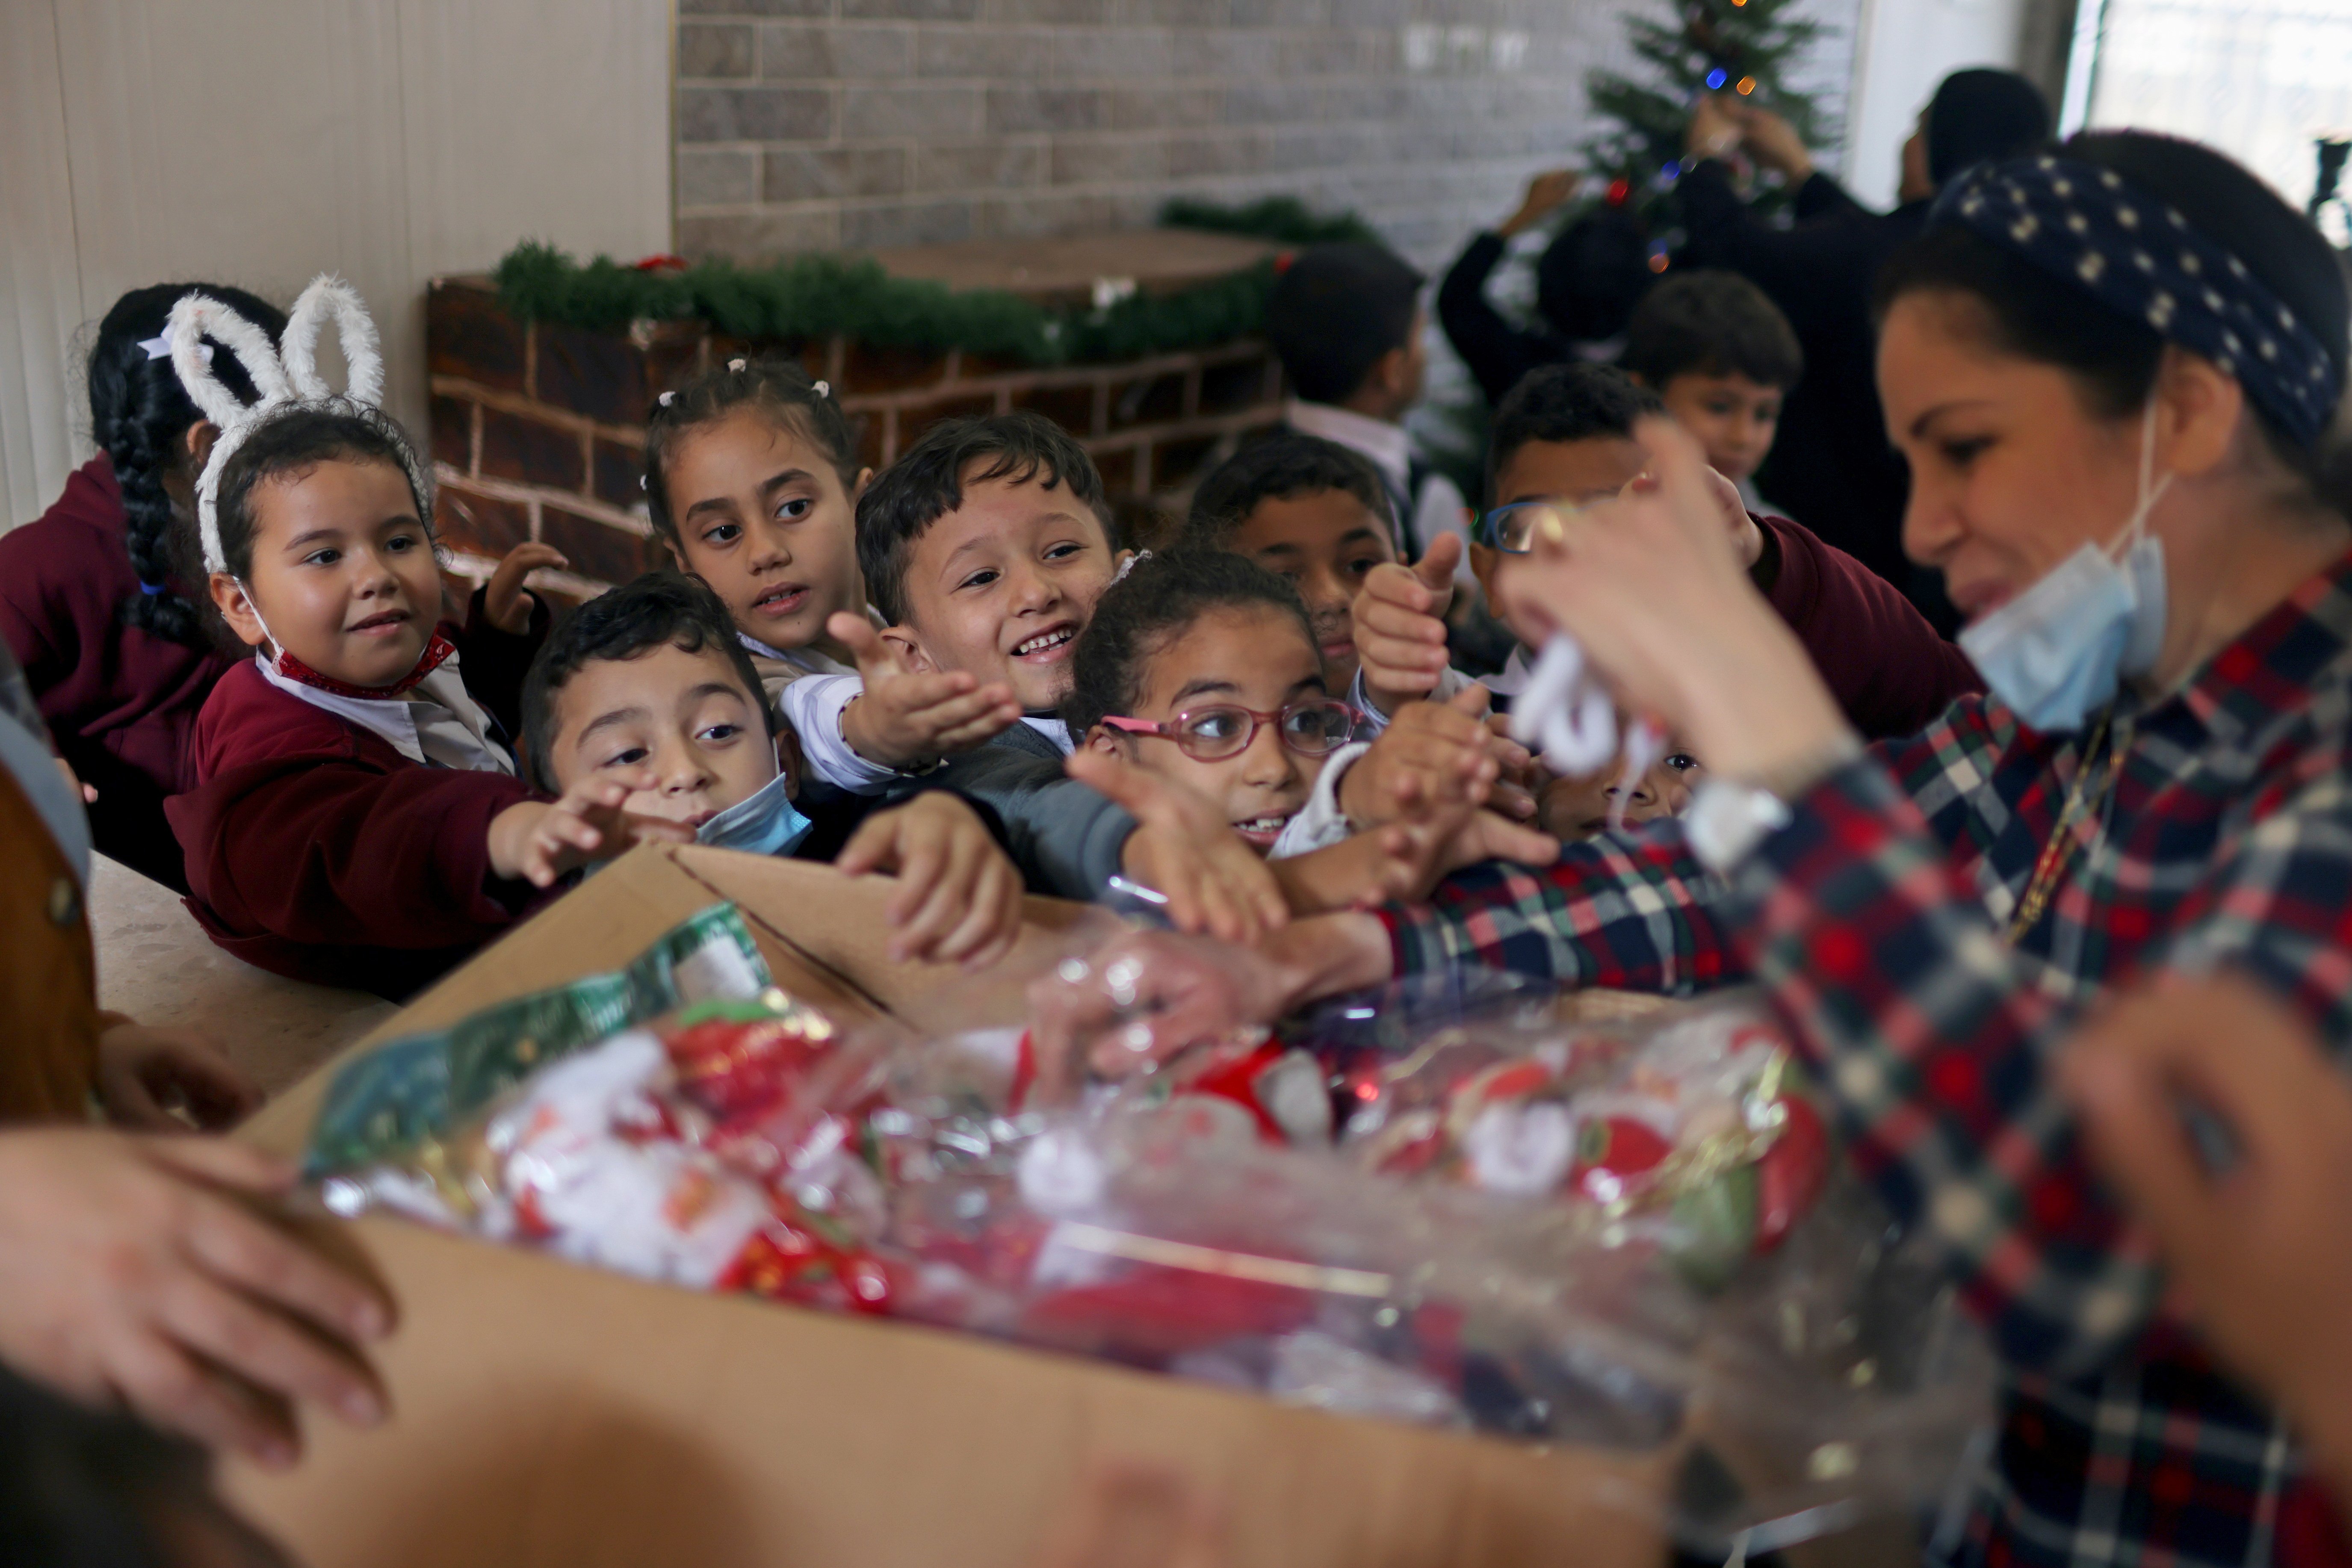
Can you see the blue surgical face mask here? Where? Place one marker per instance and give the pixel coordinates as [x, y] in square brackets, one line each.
[765, 822]
[2059, 651]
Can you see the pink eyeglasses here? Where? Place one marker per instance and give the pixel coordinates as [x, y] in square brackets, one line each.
[1316, 728]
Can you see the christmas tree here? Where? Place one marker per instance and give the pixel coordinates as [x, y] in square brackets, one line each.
[1742, 48]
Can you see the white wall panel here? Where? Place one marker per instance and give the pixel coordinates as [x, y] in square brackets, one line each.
[262, 141]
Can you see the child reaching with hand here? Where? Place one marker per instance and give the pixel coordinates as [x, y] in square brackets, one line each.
[1564, 439]
[752, 481]
[648, 685]
[1202, 668]
[985, 547]
[354, 815]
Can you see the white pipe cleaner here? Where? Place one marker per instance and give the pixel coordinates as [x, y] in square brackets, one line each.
[1565, 712]
[285, 379]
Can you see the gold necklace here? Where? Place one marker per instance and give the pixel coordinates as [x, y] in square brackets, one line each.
[2081, 801]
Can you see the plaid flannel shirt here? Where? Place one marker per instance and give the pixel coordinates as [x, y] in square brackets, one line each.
[1876, 918]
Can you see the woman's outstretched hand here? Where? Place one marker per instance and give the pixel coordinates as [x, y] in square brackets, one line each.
[1651, 584]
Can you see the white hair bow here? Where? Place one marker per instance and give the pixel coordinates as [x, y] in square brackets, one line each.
[284, 378]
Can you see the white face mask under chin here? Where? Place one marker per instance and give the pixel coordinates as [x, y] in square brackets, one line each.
[2059, 650]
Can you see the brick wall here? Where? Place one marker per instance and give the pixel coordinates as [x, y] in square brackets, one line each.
[817, 124]
[538, 430]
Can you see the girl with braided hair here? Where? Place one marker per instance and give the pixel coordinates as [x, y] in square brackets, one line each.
[91, 602]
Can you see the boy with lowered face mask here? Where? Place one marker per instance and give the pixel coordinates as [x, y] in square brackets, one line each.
[649, 683]
[985, 546]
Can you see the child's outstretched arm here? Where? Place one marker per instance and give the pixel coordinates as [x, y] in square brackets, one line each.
[1438, 753]
[958, 896]
[1184, 850]
[906, 720]
[535, 841]
[505, 604]
[1399, 626]
[1400, 862]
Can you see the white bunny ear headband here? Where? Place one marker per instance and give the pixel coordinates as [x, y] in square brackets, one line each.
[286, 378]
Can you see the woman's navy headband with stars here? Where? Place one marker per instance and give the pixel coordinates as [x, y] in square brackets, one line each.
[2139, 258]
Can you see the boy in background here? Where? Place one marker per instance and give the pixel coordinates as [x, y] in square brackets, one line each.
[1722, 359]
[1309, 510]
[1346, 322]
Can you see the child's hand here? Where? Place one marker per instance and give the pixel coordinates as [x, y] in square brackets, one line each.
[959, 896]
[1424, 852]
[1184, 849]
[143, 1074]
[1399, 625]
[1436, 753]
[504, 603]
[535, 842]
[1400, 862]
[904, 719]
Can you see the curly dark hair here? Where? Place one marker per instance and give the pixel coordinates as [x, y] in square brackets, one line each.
[1140, 614]
[657, 609]
[781, 387]
[139, 416]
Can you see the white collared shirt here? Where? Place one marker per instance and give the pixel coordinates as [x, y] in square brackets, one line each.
[436, 723]
[1052, 730]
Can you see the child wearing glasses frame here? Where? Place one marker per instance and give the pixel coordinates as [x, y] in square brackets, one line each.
[1202, 668]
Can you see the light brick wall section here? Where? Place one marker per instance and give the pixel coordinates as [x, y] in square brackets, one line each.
[818, 124]
[537, 429]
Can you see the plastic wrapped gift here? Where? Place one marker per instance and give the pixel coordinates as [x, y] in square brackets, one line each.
[1470, 1203]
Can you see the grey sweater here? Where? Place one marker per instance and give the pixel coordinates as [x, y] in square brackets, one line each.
[1065, 838]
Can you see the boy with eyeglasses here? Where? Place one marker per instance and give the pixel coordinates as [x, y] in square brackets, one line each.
[1564, 439]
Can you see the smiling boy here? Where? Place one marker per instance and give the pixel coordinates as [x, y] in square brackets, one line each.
[985, 546]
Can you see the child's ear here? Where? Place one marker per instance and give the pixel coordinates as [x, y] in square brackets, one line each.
[1101, 739]
[229, 599]
[198, 439]
[670, 547]
[858, 491]
[903, 641]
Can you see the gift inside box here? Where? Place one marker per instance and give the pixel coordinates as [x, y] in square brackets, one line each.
[546, 1413]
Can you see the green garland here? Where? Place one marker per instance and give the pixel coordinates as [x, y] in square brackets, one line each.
[818, 295]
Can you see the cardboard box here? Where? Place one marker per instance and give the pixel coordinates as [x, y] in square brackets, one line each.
[546, 1414]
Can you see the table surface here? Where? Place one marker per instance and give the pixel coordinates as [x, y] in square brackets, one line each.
[155, 964]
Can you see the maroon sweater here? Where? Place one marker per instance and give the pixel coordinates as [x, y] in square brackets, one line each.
[316, 850]
[1882, 661]
[119, 702]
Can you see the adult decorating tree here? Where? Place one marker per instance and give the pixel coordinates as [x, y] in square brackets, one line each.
[1744, 49]
[1620, 224]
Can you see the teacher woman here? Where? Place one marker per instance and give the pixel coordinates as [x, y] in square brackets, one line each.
[2113, 371]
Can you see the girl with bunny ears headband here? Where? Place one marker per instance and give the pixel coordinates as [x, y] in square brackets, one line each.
[353, 814]
[329, 493]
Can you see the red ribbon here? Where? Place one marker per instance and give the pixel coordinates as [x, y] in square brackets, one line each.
[437, 653]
